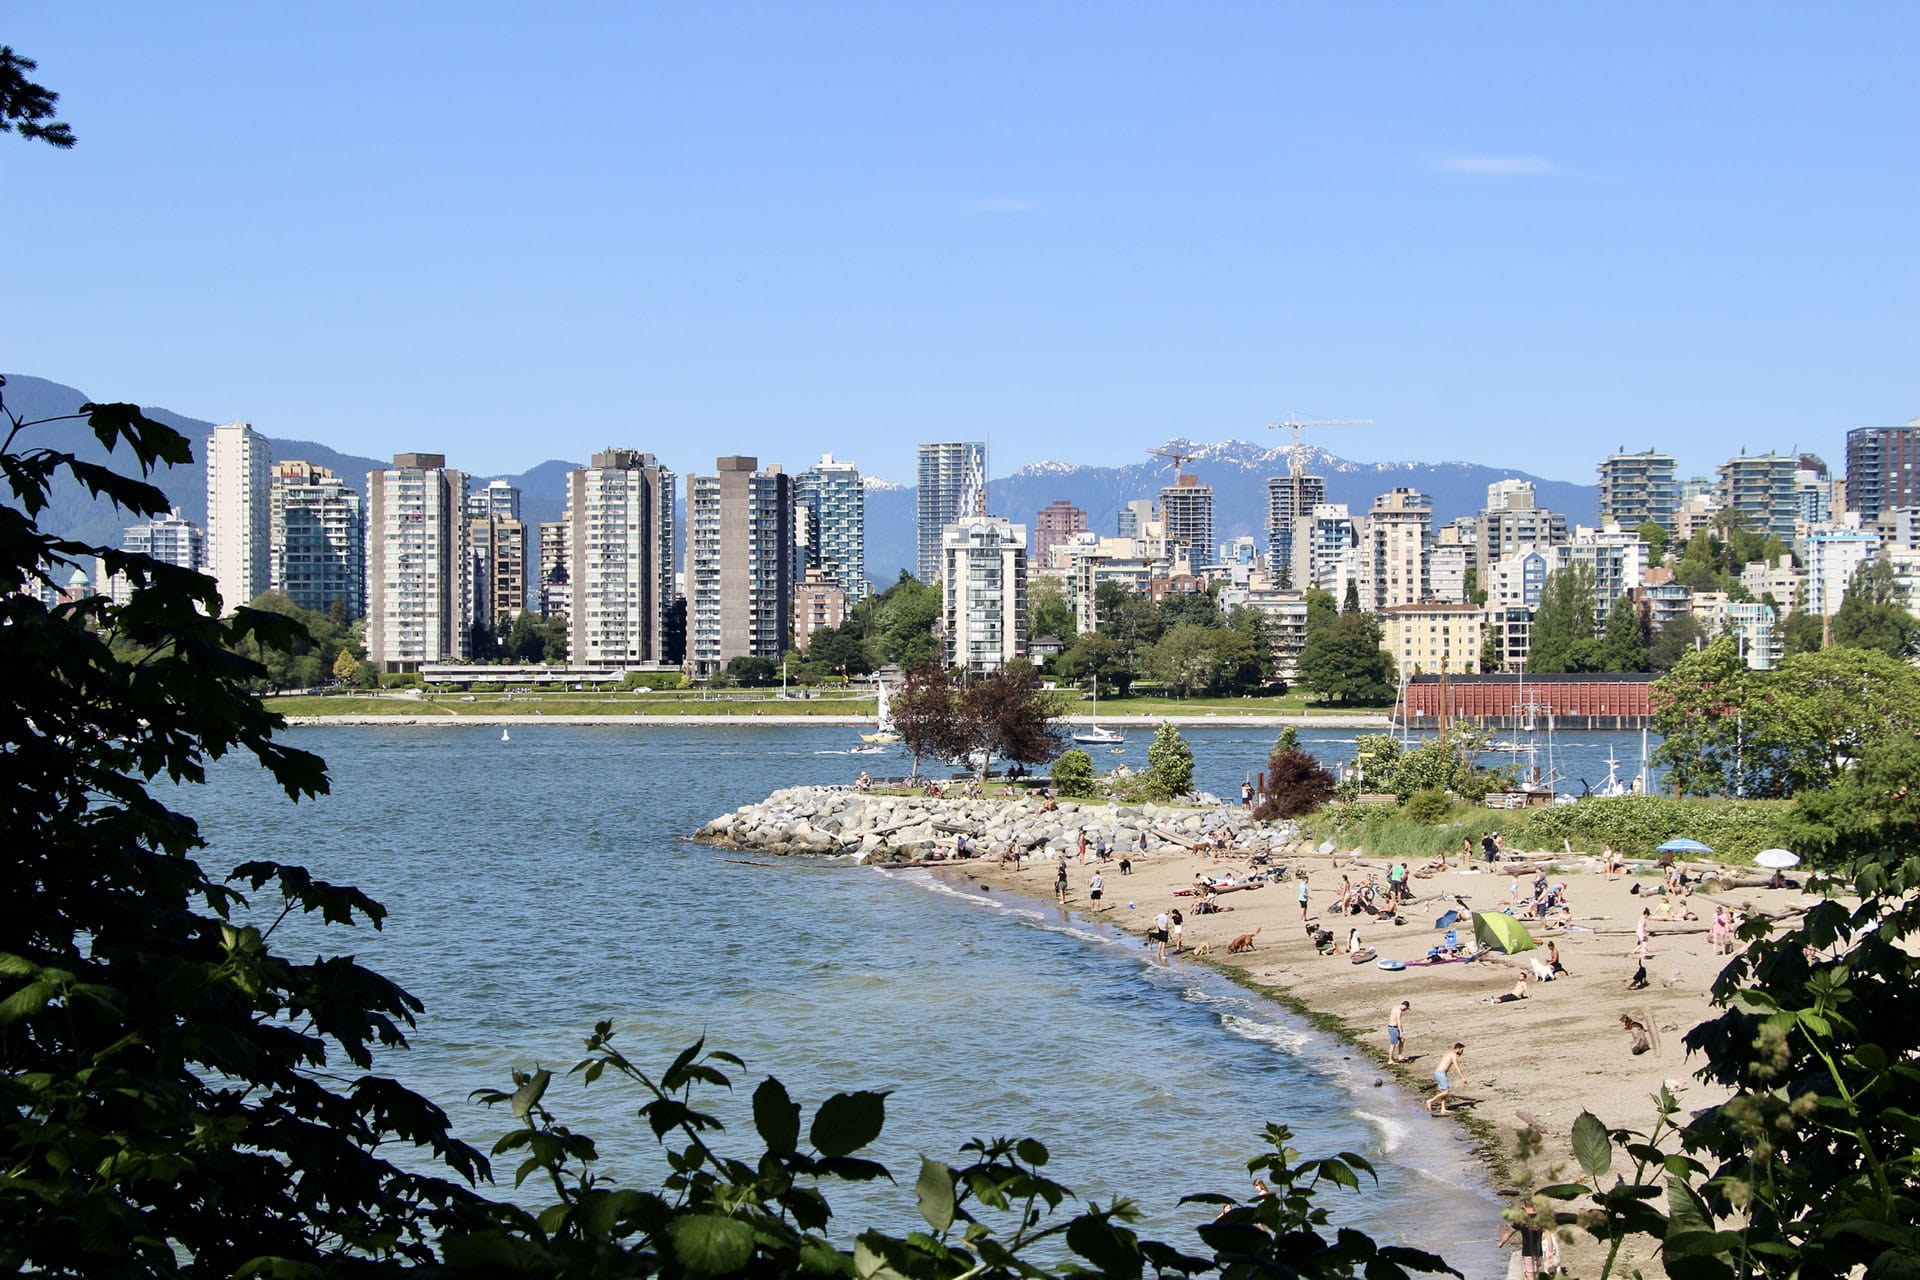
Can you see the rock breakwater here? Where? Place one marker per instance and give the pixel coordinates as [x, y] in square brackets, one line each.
[893, 828]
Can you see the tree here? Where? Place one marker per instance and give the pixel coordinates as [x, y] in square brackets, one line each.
[1049, 612]
[1802, 632]
[1321, 608]
[1343, 662]
[673, 632]
[1699, 713]
[1289, 740]
[1294, 784]
[1005, 713]
[923, 711]
[349, 670]
[526, 641]
[1563, 638]
[1682, 635]
[1073, 775]
[1870, 615]
[172, 1088]
[1169, 762]
[1623, 647]
[1095, 656]
[26, 106]
[905, 614]
[1654, 534]
[1183, 658]
[1352, 602]
[1493, 653]
[838, 649]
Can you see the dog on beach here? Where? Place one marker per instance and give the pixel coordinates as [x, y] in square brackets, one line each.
[1202, 948]
[1126, 866]
[1243, 943]
[1638, 1040]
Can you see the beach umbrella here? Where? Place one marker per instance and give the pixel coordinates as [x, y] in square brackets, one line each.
[1683, 845]
[1778, 859]
[1500, 931]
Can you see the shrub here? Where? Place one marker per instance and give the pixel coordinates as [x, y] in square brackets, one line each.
[1073, 775]
[1637, 825]
[400, 680]
[1430, 804]
[1170, 762]
[1295, 783]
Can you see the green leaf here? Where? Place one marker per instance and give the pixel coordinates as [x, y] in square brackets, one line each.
[1686, 1211]
[1563, 1191]
[1111, 1250]
[1031, 1150]
[27, 1000]
[709, 1245]
[934, 1191]
[528, 1095]
[847, 1122]
[776, 1116]
[1591, 1146]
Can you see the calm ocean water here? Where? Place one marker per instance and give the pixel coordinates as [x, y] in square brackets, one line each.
[539, 885]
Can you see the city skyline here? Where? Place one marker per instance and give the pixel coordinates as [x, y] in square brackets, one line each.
[1532, 239]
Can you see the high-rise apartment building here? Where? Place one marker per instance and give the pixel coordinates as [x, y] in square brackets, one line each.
[418, 593]
[1289, 498]
[1883, 469]
[170, 539]
[239, 527]
[1832, 557]
[318, 533]
[1186, 509]
[739, 582]
[499, 577]
[1133, 518]
[953, 483]
[619, 548]
[1638, 487]
[1056, 523]
[1510, 521]
[819, 603]
[1764, 490]
[1324, 543]
[984, 592]
[1393, 551]
[830, 525]
[551, 579]
[1618, 560]
[495, 498]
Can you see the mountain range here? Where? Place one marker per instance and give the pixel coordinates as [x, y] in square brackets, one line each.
[1237, 470]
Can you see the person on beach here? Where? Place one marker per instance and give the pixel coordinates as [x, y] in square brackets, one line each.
[1553, 960]
[1246, 793]
[1060, 881]
[1096, 887]
[1162, 927]
[1449, 1063]
[1611, 862]
[1527, 1228]
[1490, 845]
[1396, 1042]
[1083, 846]
[1466, 854]
[1640, 933]
[1354, 945]
[1179, 930]
[1519, 991]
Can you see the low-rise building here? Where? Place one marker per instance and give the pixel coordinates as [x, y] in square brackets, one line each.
[1426, 637]
[819, 603]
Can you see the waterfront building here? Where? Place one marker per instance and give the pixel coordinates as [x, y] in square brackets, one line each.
[953, 483]
[619, 521]
[499, 578]
[830, 525]
[1447, 573]
[739, 579]
[1831, 556]
[1638, 487]
[1290, 499]
[317, 530]
[1393, 552]
[1753, 624]
[1134, 517]
[1763, 489]
[1883, 468]
[983, 588]
[1283, 620]
[239, 524]
[418, 564]
[1057, 522]
[495, 498]
[819, 603]
[554, 582]
[1186, 510]
[171, 539]
[1426, 637]
[1512, 630]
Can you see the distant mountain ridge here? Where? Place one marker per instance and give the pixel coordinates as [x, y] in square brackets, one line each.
[1236, 469]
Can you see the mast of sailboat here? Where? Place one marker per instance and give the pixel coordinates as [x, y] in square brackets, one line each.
[1443, 701]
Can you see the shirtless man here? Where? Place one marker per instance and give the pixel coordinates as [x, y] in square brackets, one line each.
[1396, 1043]
[1451, 1062]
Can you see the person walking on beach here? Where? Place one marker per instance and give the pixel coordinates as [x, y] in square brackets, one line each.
[1060, 881]
[1490, 845]
[1444, 1090]
[1095, 888]
[1162, 926]
[1083, 846]
[1527, 1228]
[1179, 930]
[1246, 793]
[1303, 899]
[1396, 1042]
[1640, 933]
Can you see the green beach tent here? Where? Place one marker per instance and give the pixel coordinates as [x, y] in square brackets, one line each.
[1500, 931]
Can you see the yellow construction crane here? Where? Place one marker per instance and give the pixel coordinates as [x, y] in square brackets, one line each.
[1295, 421]
[1178, 455]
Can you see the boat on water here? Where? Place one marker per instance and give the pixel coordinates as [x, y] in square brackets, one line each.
[505, 736]
[1093, 735]
[883, 730]
[868, 749]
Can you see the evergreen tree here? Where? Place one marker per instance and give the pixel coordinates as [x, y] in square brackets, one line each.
[1352, 603]
[1870, 616]
[1170, 762]
[1563, 638]
[1344, 663]
[1624, 646]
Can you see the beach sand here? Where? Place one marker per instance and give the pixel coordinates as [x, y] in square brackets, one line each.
[1533, 1064]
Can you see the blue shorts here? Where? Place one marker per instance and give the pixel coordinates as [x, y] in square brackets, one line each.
[1440, 1079]
[1393, 1036]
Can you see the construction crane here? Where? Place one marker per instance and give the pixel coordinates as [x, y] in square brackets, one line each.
[1296, 422]
[1178, 455]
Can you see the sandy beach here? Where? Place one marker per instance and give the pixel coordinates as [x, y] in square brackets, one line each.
[1531, 1064]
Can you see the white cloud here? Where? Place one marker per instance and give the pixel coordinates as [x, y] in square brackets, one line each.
[1002, 206]
[1498, 166]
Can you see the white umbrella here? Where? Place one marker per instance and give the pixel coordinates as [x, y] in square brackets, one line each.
[1778, 859]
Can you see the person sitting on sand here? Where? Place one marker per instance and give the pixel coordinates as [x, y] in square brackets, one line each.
[1519, 992]
[864, 782]
[1553, 960]
[1354, 945]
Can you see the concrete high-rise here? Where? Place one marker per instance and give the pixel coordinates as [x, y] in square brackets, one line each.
[1393, 550]
[1186, 509]
[1056, 523]
[1638, 487]
[495, 498]
[1289, 499]
[499, 578]
[830, 525]
[739, 579]
[419, 596]
[1883, 469]
[1764, 490]
[953, 483]
[170, 539]
[318, 532]
[1510, 522]
[984, 592]
[619, 549]
[239, 525]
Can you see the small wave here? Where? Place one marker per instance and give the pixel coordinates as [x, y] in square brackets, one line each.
[1283, 1038]
[1393, 1131]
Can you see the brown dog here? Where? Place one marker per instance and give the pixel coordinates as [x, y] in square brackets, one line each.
[1244, 942]
[1202, 948]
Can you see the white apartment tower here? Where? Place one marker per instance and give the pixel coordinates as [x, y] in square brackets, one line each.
[319, 537]
[619, 550]
[419, 599]
[953, 483]
[238, 520]
[984, 592]
[170, 539]
[1186, 509]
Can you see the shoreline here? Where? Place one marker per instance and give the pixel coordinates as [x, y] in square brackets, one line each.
[1533, 1065]
[427, 716]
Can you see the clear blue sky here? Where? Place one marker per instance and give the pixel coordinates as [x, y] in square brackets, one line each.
[1519, 235]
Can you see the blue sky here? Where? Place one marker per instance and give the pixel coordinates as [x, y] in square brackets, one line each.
[1517, 235]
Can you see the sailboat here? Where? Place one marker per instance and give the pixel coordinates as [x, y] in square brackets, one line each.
[883, 719]
[505, 737]
[1093, 735]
